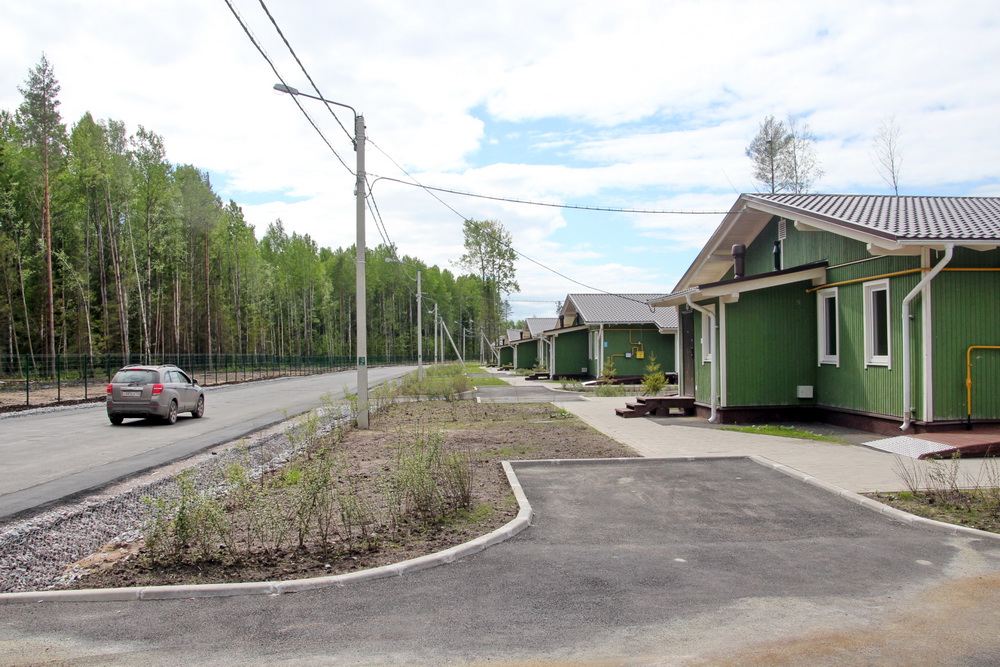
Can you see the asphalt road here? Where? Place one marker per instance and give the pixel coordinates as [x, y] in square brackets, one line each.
[716, 561]
[49, 455]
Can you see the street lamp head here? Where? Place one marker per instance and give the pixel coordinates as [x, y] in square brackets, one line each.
[282, 88]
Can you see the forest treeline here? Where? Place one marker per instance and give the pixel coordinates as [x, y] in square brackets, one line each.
[107, 247]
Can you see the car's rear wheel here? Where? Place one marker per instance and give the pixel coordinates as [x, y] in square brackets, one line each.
[200, 410]
[171, 417]
[116, 421]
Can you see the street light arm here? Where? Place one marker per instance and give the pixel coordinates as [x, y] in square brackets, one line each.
[282, 88]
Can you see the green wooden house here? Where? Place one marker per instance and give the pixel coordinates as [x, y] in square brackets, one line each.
[880, 312]
[593, 328]
[505, 348]
[526, 348]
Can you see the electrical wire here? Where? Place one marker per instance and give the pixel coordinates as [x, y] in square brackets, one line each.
[260, 49]
[380, 225]
[580, 207]
[496, 238]
[303, 68]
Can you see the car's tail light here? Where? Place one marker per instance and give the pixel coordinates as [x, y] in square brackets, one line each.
[109, 387]
[157, 389]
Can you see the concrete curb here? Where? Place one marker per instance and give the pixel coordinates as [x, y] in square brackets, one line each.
[522, 521]
[874, 505]
[519, 523]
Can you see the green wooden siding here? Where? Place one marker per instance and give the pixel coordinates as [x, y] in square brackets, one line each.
[966, 309]
[770, 346]
[571, 353]
[702, 369]
[621, 340]
[506, 356]
[800, 248]
[526, 354]
[873, 389]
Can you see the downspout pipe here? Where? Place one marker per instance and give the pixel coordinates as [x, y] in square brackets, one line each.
[949, 251]
[713, 418]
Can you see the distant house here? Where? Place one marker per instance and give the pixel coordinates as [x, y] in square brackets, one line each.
[593, 328]
[874, 311]
[526, 348]
[505, 347]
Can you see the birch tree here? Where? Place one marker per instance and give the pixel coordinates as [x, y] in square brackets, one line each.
[886, 154]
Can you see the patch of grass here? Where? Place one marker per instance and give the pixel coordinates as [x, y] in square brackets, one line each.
[782, 432]
[488, 382]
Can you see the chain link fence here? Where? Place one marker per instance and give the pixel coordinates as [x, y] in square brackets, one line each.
[36, 380]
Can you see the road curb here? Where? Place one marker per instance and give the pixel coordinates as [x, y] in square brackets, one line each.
[507, 531]
[874, 505]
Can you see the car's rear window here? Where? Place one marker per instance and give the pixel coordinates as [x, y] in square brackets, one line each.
[134, 376]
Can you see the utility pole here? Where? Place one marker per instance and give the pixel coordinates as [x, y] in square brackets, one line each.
[361, 288]
[435, 334]
[362, 306]
[420, 331]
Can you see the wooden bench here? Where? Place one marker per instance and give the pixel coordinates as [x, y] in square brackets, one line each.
[657, 406]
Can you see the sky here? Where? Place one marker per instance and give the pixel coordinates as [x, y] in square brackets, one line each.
[624, 105]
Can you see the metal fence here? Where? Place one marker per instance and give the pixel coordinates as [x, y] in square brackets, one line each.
[33, 380]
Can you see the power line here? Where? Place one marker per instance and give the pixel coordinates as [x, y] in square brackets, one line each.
[581, 207]
[260, 49]
[303, 68]
[498, 239]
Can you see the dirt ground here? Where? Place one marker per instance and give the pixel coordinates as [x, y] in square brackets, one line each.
[491, 432]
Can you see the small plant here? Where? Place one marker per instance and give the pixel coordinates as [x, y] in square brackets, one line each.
[184, 524]
[654, 380]
[609, 371]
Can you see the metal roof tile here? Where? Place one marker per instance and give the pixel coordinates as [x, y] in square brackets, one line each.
[904, 217]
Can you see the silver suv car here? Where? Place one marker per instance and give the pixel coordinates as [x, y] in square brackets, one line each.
[153, 391]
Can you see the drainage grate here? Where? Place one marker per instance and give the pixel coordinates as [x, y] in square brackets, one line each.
[904, 445]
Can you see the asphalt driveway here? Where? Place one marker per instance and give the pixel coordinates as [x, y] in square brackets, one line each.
[641, 561]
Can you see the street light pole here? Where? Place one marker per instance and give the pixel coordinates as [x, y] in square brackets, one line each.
[361, 287]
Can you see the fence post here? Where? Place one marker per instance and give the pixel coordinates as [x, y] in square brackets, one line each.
[27, 383]
[58, 378]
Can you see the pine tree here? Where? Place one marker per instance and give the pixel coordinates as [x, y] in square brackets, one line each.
[45, 134]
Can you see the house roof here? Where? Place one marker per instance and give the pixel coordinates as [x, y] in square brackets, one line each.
[901, 218]
[513, 334]
[887, 224]
[536, 325]
[619, 309]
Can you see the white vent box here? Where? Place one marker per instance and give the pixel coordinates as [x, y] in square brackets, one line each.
[804, 391]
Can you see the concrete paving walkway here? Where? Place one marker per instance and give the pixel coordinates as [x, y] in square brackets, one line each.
[850, 466]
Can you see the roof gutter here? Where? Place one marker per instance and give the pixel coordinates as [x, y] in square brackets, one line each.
[715, 352]
[949, 251]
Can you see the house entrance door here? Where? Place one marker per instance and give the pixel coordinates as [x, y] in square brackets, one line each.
[687, 353]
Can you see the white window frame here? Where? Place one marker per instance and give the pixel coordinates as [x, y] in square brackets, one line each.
[823, 298]
[707, 335]
[871, 358]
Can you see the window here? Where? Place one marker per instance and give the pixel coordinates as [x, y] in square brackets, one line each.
[707, 335]
[828, 326]
[878, 332]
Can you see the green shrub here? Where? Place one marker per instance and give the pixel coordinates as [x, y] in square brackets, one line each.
[654, 380]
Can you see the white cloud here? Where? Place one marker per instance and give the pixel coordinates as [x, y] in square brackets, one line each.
[631, 104]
